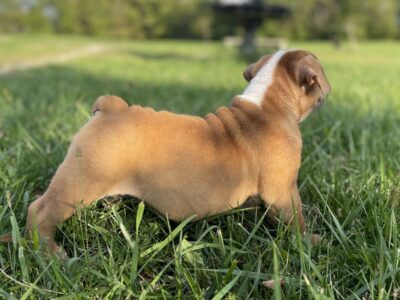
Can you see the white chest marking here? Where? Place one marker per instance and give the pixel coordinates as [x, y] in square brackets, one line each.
[259, 85]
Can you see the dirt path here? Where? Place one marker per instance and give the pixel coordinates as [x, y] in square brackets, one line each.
[52, 59]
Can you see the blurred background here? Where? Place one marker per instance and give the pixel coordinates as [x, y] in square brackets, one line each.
[198, 19]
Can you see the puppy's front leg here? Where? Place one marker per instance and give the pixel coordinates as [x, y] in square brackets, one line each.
[290, 207]
[297, 209]
[286, 204]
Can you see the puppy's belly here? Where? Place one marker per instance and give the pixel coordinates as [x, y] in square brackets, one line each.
[189, 198]
[179, 206]
[184, 198]
[125, 187]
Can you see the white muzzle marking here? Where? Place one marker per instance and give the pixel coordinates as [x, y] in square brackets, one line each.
[259, 85]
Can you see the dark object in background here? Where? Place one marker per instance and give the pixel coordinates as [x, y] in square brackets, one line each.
[250, 14]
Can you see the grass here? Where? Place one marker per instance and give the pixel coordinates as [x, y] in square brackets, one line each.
[30, 48]
[349, 182]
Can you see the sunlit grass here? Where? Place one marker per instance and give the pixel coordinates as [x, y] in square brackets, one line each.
[29, 48]
[349, 182]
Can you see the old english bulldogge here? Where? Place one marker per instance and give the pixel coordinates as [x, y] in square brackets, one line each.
[185, 165]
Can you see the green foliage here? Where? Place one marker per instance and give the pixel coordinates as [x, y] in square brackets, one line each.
[11, 19]
[349, 181]
[68, 16]
[386, 13]
[36, 22]
[117, 18]
[310, 19]
[341, 19]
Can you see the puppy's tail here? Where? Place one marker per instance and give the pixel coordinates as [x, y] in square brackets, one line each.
[109, 104]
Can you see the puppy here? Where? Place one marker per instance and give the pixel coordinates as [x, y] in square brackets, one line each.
[184, 165]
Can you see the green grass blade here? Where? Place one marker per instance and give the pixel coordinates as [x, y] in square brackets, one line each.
[159, 246]
[139, 216]
[221, 293]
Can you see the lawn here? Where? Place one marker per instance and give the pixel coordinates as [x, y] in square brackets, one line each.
[349, 180]
[30, 48]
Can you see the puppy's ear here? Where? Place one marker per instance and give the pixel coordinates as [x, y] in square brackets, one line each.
[307, 77]
[248, 73]
[311, 76]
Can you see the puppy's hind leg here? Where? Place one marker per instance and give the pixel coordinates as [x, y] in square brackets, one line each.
[75, 182]
[89, 171]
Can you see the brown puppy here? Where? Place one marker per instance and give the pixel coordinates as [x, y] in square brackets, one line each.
[183, 165]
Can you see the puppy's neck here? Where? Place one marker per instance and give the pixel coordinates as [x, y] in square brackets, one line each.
[272, 92]
[259, 85]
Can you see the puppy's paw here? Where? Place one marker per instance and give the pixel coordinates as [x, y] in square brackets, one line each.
[62, 254]
[315, 239]
[57, 251]
[272, 283]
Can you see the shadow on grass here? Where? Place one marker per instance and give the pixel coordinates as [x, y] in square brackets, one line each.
[42, 90]
[165, 56]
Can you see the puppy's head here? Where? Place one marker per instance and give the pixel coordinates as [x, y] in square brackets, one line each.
[296, 74]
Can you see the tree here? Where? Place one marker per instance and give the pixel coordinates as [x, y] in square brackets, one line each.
[68, 16]
[382, 18]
